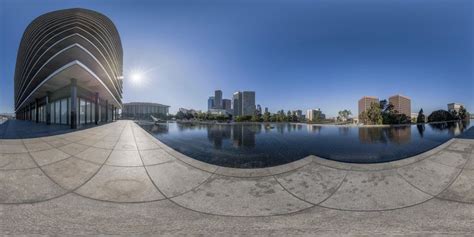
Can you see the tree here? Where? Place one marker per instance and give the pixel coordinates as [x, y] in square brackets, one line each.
[180, 115]
[421, 117]
[266, 117]
[463, 114]
[344, 114]
[373, 114]
[440, 116]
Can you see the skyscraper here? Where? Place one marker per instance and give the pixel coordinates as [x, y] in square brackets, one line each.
[248, 103]
[364, 104]
[266, 109]
[227, 105]
[314, 115]
[237, 103]
[210, 103]
[259, 109]
[401, 104]
[218, 99]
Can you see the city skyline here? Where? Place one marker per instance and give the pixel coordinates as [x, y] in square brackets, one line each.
[344, 56]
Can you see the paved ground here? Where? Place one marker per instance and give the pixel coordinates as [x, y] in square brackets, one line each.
[118, 179]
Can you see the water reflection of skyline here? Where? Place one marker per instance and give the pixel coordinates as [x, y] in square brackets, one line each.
[244, 135]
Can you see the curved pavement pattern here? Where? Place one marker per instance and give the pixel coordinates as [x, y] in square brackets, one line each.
[120, 163]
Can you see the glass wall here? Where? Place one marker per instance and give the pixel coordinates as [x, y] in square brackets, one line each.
[64, 109]
[57, 111]
[82, 111]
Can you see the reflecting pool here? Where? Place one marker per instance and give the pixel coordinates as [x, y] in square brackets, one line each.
[265, 145]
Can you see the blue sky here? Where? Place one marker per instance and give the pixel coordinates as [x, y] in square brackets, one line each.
[295, 54]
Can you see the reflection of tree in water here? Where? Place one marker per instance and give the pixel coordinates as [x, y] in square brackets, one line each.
[453, 128]
[400, 134]
[344, 131]
[421, 129]
[217, 133]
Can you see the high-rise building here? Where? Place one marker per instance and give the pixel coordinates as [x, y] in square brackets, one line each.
[218, 99]
[314, 115]
[248, 103]
[80, 77]
[259, 109]
[210, 103]
[227, 105]
[244, 103]
[237, 103]
[401, 104]
[266, 109]
[364, 104]
[298, 113]
[454, 107]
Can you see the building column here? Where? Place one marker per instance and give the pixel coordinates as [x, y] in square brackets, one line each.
[96, 101]
[48, 108]
[30, 112]
[106, 111]
[36, 110]
[73, 109]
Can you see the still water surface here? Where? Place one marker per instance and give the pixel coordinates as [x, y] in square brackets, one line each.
[265, 145]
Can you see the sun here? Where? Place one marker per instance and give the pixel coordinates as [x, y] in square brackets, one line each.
[136, 77]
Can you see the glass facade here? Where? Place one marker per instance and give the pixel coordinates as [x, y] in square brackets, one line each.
[64, 111]
[60, 110]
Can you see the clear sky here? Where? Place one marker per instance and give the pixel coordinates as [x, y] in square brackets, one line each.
[295, 54]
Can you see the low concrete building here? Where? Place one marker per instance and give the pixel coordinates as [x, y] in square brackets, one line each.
[454, 107]
[143, 110]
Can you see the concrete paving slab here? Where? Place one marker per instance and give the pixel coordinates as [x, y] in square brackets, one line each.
[449, 158]
[147, 145]
[73, 148]
[12, 148]
[16, 161]
[59, 143]
[175, 178]
[38, 146]
[96, 155]
[462, 189]
[460, 146]
[313, 183]
[25, 186]
[428, 176]
[241, 197]
[155, 156]
[375, 190]
[48, 156]
[124, 158]
[121, 184]
[70, 173]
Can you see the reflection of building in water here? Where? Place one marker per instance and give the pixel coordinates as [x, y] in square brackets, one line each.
[399, 135]
[244, 136]
[217, 133]
[314, 128]
[384, 134]
[372, 135]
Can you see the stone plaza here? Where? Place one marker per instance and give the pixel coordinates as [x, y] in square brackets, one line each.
[118, 179]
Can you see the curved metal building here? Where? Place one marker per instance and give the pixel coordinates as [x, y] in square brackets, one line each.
[69, 69]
